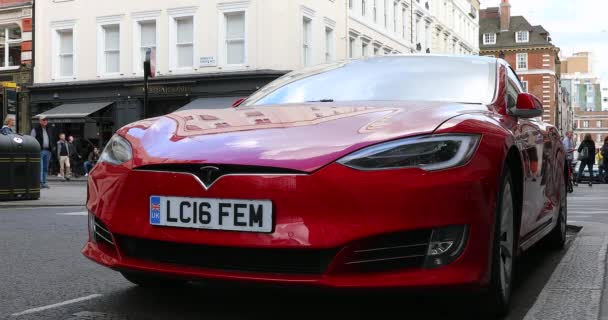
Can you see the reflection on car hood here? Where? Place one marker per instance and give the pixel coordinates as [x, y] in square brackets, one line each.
[301, 137]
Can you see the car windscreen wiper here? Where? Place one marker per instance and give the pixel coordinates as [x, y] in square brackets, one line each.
[322, 100]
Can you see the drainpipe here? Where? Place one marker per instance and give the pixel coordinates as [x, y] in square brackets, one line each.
[412, 22]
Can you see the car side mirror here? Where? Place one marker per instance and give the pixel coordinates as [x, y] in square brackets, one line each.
[238, 102]
[528, 106]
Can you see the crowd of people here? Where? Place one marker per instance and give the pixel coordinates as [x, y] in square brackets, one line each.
[588, 156]
[62, 154]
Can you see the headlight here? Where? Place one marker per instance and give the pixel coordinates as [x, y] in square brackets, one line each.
[117, 151]
[428, 153]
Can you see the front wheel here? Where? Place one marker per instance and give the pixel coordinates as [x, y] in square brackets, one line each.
[503, 252]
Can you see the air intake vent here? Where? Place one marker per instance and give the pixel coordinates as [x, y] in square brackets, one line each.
[388, 252]
[280, 261]
[102, 234]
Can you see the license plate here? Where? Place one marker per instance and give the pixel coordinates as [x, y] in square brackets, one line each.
[211, 213]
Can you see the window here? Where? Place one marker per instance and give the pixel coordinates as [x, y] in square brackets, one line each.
[395, 10]
[387, 52]
[397, 78]
[524, 84]
[599, 138]
[598, 123]
[363, 7]
[489, 38]
[350, 4]
[589, 88]
[235, 38]
[375, 11]
[404, 21]
[110, 63]
[586, 124]
[522, 61]
[386, 13]
[184, 42]
[10, 47]
[306, 41]
[376, 50]
[351, 47]
[66, 53]
[147, 40]
[364, 47]
[329, 44]
[522, 36]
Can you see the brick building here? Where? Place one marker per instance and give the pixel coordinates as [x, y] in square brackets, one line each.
[593, 122]
[528, 49]
[15, 60]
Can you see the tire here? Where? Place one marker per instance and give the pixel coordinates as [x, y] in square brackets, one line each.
[152, 281]
[556, 239]
[498, 295]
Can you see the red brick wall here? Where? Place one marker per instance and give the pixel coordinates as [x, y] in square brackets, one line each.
[10, 3]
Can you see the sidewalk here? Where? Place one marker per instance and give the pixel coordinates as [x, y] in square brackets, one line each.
[61, 194]
[55, 178]
[577, 288]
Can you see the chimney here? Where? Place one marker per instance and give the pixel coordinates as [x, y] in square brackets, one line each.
[505, 15]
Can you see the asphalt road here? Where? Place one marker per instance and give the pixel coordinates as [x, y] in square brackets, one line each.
[44, 276]
[588, 204]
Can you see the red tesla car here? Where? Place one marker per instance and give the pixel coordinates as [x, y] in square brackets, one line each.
[395, 171]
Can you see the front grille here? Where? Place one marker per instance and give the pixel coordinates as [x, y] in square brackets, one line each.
[388, 252]
[223, 169]
[279, 261]
[101, 233]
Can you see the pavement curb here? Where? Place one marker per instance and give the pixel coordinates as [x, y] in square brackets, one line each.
[574, 290]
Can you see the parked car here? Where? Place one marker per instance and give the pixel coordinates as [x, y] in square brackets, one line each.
[413, 171]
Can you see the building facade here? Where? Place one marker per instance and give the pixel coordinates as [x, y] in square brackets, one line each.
[408, 26]
[15, 60]
[581, 82]
[88, 71]
[528, 49]
[592, 122]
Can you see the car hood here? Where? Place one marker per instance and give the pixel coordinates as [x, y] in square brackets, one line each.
[301, 137]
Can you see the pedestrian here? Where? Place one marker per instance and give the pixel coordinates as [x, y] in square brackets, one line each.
[63, 153]
[91, 161]
[604, 164]
[7, 128]
[569, 147]
[43, 134]
[75, 158]
[586, 155]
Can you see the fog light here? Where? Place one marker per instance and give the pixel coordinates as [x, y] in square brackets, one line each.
[446, 245]
[92, 227]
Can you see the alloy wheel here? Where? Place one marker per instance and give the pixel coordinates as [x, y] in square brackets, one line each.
[506, 240]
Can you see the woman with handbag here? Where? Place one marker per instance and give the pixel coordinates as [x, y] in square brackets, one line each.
[586, 155]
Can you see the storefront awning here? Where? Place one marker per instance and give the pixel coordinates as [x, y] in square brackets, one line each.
[73, 112]
[210, 103]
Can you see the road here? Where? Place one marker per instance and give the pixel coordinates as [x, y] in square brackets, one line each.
[589, 204]
[44, 276]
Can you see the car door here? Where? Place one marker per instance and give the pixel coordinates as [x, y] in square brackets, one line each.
[530, 139]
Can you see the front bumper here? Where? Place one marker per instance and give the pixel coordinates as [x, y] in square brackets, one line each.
[331, 209]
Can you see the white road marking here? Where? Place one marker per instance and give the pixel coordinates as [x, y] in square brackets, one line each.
[82, 213]
[56, 305]
[579, 215]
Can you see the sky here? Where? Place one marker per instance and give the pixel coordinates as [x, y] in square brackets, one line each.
[574, 25]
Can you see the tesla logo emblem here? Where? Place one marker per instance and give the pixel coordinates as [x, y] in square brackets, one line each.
[208, 175]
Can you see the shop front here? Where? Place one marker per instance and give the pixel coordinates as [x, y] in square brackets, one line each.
[94, 110]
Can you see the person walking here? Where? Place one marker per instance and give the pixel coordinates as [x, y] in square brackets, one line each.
[43, 134]
[7, 128]
[63, 153]
[586, 155]
[91, 161]
[604, 164]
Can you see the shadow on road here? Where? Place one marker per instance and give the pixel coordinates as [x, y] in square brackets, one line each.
[232, 301]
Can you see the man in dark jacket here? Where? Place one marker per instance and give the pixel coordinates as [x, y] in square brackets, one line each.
[586, 152]
[44, 135]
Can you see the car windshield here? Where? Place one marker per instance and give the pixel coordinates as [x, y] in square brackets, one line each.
[400, 78]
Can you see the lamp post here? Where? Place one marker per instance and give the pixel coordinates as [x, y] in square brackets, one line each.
[149, 72]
